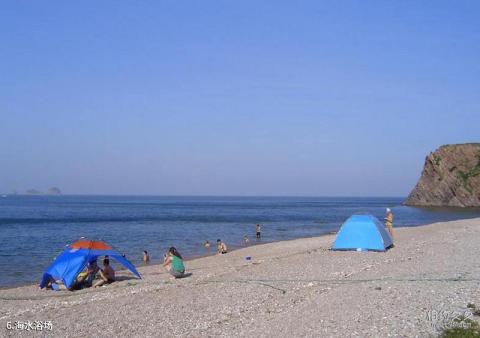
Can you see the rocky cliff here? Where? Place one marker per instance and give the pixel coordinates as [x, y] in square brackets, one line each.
[450, 177]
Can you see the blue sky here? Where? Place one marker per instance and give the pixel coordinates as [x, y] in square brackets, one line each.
[233, 97]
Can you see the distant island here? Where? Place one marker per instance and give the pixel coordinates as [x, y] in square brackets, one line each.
[50, 192]
[450, 177]
[33, 192]
[54, 191]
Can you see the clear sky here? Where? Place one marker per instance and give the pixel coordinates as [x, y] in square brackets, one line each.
[233, 97]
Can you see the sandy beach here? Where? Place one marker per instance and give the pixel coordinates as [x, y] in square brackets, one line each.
[291, 288]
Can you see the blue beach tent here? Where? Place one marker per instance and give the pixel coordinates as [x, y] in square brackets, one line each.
[75, 258]
[362, 233]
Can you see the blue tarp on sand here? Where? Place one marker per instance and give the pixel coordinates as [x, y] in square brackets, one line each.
[362, 233]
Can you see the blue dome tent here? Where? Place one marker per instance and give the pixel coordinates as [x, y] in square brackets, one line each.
[362, 233]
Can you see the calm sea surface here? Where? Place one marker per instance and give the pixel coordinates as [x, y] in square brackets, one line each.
[34, 229]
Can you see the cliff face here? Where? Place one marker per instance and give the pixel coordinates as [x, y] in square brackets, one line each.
[450, 177]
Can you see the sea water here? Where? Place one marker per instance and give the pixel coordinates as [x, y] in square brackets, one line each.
[34, 229]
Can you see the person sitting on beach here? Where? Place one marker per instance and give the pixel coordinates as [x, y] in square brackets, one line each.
[206, 245]
[174, 263]
[146, 257]
[389, 222]
[259, 231]
[221, 247]
[85, 279]
[107, 274]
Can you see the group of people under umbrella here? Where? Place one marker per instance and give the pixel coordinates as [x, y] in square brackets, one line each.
[77, 268]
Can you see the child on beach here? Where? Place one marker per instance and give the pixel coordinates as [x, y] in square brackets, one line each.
[221, 247]
[206, 245]
[174, 264]
[245, 240]
[146, 257]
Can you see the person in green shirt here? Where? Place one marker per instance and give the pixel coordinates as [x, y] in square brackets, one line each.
[174, 263]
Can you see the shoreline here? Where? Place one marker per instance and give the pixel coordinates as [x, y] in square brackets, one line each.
[199, 256]
[213, 253]
[296, 287]
[235, 249]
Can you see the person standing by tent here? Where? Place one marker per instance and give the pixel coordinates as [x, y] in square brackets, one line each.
[259, 231]
[389, 222]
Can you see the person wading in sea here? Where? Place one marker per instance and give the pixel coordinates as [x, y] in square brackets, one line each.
[259, 231]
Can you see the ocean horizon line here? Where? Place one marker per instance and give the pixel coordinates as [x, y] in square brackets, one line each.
[207, 195]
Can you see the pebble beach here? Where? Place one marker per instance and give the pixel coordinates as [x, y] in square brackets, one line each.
[292, 288]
